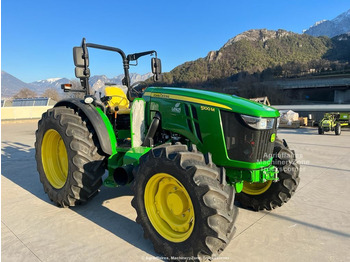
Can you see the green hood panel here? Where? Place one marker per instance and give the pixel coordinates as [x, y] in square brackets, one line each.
[213, 99]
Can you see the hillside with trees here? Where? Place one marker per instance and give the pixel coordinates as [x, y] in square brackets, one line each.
[259, 55]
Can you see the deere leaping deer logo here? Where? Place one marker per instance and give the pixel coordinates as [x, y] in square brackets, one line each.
[176, 108]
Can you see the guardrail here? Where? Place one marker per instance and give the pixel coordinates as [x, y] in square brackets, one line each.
[23, 112]
[310, 83]
[315, 108]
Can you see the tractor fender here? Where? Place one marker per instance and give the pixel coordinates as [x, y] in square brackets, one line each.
[102, 127]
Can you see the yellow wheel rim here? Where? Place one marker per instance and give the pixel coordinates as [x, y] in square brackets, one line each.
[169, 207]
[54, 158]
[256, 188]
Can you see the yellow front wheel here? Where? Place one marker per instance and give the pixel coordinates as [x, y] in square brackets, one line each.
[270, 195]
[256, 188]
[169, 207]
[181, 204]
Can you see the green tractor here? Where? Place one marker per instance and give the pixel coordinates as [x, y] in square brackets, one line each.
[333, 122]
[188, 155]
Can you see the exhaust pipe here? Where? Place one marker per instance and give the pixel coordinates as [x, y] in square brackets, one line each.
[152, 130]
[123, 175]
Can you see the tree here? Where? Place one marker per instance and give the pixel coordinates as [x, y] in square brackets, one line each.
[25, 93]
[52, 93]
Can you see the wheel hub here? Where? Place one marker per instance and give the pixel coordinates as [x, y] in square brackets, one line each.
[256, 188]
[54, 158]
[169, 207]
[177, 202]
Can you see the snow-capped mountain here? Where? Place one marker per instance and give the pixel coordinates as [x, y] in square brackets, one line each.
[97, 82]
[337, 26]
[11, 85]
[41, 85]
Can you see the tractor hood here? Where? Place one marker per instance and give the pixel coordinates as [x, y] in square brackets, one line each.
[326, 123]
[213, 99]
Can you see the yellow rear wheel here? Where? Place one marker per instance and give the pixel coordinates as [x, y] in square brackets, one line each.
[169, 207]
[54, 158]
[256, 188]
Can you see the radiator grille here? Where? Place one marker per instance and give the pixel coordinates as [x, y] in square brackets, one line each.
[244, 143]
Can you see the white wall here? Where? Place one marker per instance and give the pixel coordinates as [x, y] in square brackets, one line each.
[23, 112]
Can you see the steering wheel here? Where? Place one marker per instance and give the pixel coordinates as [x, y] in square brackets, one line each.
[136, 87]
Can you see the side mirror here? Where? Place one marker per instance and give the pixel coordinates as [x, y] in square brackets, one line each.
[81, 60]
[156, 66]
[78, 56]
[81, 72]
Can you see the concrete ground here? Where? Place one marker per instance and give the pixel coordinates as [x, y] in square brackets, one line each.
[313, 226]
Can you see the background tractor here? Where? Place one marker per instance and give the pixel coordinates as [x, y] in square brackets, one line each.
[333, 122]
[188, 155]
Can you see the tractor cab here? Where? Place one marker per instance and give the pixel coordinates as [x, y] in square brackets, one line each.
[123, 109]
[82, 71]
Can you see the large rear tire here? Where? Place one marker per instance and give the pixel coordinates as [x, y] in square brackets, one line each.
[270, 195]
[183, 203]
[68, 157]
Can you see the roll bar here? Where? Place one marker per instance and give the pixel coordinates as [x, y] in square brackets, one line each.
[82, 71]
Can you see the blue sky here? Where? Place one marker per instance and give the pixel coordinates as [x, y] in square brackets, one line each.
[37, 36]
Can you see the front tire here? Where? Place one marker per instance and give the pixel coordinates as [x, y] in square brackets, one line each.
[68, 157]
[338, 129]
[320, 130]
[270, 195]
[184, 206]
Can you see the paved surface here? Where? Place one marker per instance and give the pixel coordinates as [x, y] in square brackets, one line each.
[313, 226]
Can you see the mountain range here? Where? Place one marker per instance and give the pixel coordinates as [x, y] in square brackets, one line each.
[262, 53]
[337, 26]
[11, 85]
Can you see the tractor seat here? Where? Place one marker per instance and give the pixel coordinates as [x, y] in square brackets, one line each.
[118, 99]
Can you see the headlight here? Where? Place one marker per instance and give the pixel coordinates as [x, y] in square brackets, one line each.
[88, 99]
[258, 122]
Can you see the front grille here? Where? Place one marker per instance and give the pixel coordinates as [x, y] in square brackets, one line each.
[244, 143]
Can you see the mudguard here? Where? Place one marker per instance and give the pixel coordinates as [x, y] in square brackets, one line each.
[99, 121]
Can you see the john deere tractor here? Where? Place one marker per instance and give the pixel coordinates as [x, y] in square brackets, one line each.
[188, 155]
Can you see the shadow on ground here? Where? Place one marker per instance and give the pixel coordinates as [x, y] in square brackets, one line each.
[16, 156]
[303, 131]
[307, 131]
[19, 165]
